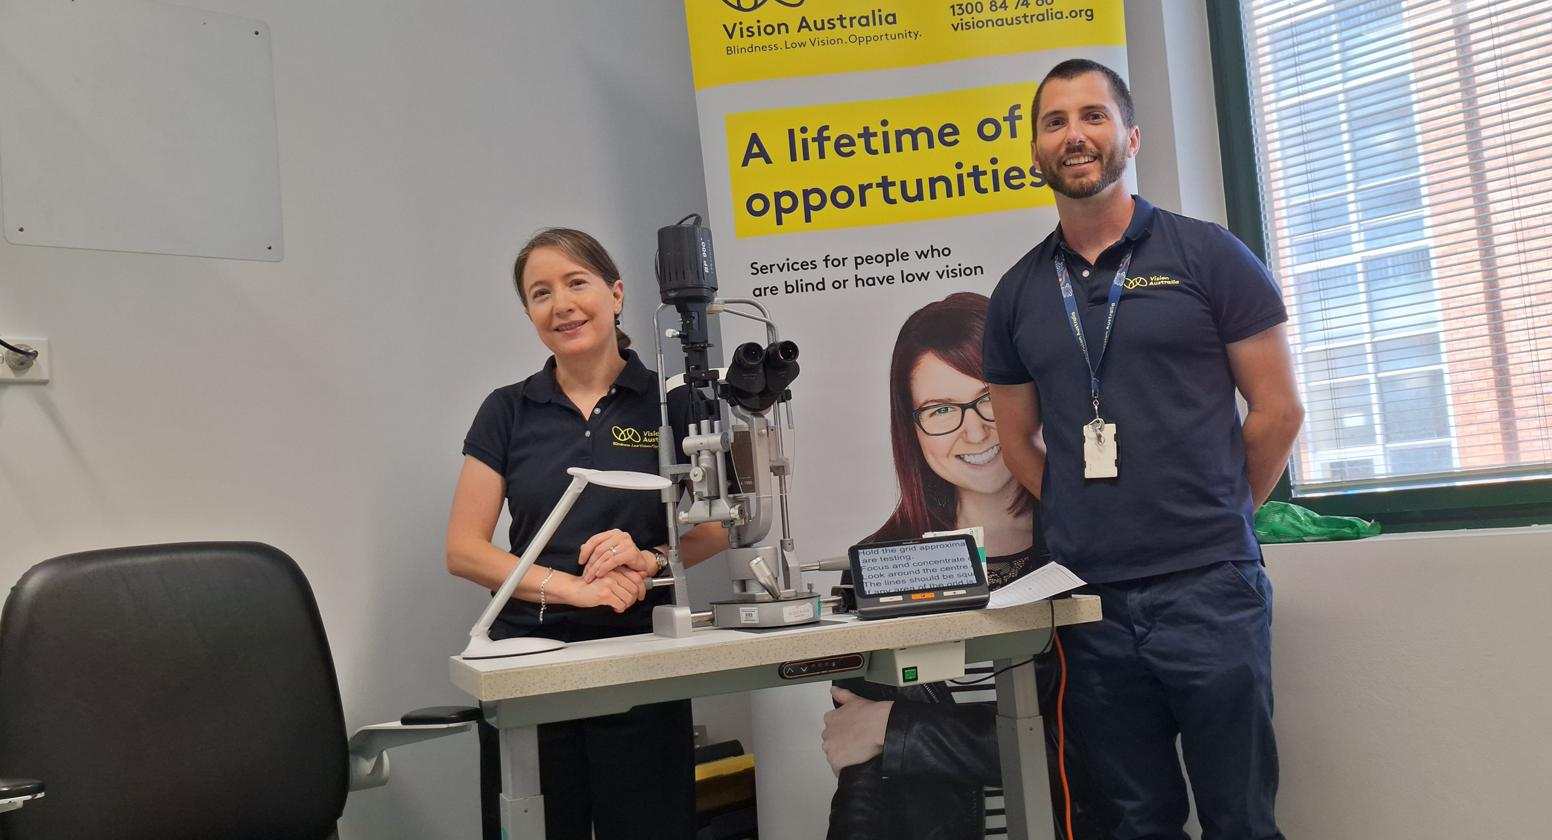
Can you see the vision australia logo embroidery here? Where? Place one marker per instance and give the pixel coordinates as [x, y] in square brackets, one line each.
[629, 438]
[1150, 282]
[754, 5]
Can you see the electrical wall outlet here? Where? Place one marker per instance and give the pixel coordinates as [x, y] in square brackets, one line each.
[13, 369]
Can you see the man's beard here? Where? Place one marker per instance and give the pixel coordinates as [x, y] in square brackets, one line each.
[1111, 168]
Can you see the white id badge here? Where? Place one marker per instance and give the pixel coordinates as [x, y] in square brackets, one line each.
[1099, 450]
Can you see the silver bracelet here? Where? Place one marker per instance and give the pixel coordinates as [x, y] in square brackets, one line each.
[543, 600]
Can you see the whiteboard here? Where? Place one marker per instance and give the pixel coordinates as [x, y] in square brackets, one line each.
[131, 125]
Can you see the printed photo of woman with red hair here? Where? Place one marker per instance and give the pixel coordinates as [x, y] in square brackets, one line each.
[921, 761]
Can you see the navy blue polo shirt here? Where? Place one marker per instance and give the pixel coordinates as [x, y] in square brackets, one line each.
[1182, 498]
[529, 433]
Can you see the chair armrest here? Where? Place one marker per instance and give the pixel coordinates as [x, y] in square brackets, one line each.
[15, 792]
[369, 746]
[441, 714]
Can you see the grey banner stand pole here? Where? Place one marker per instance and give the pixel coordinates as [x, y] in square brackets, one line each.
[1026, 786]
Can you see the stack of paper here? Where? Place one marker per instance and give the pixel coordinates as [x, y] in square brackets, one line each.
[1048, 581]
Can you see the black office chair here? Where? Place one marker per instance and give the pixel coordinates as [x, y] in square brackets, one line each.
[179, 692]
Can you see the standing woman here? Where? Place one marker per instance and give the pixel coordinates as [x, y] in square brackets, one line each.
[594, 404]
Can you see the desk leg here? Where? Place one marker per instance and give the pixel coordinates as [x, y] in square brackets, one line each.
[1021, 744]
[522, 808]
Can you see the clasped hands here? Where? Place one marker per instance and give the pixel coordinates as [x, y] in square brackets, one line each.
[614, 572]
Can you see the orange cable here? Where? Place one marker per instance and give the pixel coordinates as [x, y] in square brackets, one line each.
[1061, 733]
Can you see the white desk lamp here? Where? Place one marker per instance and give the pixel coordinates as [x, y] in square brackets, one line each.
[480, 644]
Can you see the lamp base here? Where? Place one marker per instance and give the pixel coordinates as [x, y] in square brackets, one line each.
[520, 646]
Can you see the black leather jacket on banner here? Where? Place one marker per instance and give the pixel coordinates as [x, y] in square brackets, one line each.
[938, 757]
[927, 784]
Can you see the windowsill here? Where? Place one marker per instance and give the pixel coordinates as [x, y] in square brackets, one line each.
[1460, 533]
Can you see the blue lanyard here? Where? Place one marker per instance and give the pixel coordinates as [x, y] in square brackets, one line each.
[1071, 303]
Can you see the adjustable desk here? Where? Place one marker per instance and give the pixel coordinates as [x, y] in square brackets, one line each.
[606, 676]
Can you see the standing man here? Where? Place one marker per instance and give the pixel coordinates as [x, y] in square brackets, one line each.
[1114, 349]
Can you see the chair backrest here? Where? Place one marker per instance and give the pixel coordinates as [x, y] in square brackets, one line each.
[175, 692]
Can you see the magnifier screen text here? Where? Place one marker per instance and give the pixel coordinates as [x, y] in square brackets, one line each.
[910, 568]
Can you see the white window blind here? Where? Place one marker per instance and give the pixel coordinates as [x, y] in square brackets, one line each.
[1405, 154]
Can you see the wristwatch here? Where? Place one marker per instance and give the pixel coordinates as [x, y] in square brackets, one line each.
[662, 560]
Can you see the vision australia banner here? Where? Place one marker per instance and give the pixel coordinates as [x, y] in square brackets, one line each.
[866, 160]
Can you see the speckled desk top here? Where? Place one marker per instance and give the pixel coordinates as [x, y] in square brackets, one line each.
[631, 659]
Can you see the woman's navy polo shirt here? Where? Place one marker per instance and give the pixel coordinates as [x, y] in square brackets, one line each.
[1182, 498]
[529, 433]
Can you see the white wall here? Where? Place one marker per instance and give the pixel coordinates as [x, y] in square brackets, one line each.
[1412, 676]
[319, 404]
[1178, 167]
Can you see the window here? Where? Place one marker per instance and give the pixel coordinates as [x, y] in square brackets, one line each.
[1390, 159]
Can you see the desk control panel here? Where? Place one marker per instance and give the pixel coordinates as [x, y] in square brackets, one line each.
[919, 664]
[807, 669]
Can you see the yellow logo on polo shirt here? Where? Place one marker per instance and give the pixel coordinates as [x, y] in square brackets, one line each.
[1150, 282]
[629, 438]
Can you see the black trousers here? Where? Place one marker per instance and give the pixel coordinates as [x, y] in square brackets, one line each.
[629, 776]
[1185, 654]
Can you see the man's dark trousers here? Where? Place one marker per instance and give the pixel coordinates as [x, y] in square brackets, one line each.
[1188, 654]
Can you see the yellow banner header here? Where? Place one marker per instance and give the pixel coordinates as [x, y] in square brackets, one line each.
[734, 41]
[849, 164]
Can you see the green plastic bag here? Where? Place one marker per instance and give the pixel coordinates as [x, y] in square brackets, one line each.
[1280, 522]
